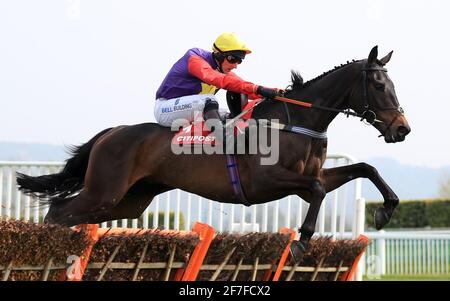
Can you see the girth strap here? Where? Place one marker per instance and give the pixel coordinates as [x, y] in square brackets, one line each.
[293, 129]
[233, 172]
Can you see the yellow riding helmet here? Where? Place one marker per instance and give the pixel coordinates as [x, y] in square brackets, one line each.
[229, 41]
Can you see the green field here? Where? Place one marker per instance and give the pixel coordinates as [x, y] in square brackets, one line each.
[424, 277]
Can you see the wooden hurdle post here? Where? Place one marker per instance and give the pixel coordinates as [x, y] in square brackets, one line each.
[282, 261]
[76, 272]
[206, 235]
[347, 276]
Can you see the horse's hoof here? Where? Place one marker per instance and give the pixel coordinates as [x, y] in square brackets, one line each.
[298, 249]
[381, 218]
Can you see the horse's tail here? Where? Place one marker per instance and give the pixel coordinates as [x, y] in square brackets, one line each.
[61, 185]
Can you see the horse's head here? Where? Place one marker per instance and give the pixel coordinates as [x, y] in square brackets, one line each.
[376, 99]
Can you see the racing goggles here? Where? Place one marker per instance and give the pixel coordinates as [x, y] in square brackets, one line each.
[233, 59]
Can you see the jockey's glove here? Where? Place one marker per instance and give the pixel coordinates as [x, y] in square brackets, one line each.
[267, 92]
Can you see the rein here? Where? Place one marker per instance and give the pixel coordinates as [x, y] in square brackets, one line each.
[347, 112]
[368, 115]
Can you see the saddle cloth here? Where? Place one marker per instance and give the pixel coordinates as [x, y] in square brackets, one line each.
[197, 134]
[194, 134]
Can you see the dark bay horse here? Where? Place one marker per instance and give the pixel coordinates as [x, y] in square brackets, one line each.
[119, 171]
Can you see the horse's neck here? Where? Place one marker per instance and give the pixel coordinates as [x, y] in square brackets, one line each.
[330, 91]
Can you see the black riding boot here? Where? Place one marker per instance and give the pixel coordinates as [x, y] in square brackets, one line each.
[211, 112]
[225, 136]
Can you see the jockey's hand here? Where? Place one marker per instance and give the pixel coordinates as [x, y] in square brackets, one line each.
[280, 92]
[267, 92]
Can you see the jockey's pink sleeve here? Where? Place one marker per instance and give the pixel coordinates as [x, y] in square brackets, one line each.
[201, 69]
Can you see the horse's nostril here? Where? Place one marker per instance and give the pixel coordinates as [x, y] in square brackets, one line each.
[403, 131]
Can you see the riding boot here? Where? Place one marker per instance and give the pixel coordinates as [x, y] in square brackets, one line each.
[211, 112]
[225, 135]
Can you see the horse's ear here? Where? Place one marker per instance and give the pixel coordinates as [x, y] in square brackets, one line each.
[386, 59]
[373, 55]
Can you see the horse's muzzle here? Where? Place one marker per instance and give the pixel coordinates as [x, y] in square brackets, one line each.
[397, 135]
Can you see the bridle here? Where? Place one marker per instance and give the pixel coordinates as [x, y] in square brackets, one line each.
[368, 115]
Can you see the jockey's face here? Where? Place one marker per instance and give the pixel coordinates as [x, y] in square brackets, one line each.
[227, 66]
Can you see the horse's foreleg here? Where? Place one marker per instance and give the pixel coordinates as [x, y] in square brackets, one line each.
[308, 187]
[336, 177]
[315, 198]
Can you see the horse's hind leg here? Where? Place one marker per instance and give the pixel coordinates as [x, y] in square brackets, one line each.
[135, 201]
[82, 209]
[111, 171]
[336, 177]
[88, 203]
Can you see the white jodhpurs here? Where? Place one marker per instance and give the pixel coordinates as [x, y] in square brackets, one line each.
[186, 107]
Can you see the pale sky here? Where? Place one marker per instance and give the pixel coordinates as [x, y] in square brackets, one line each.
[70, 68]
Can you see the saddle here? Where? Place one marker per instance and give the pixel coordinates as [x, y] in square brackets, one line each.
[197, 134]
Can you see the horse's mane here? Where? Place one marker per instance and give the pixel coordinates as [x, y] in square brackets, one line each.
[297, 79]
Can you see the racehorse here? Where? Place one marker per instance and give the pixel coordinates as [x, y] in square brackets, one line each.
[118, 172]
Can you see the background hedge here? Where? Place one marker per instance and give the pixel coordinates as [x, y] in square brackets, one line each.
[414, 214]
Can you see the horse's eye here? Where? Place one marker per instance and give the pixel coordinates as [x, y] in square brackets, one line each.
[380, 86]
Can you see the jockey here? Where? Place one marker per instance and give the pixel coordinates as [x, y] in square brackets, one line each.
[191, 84]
